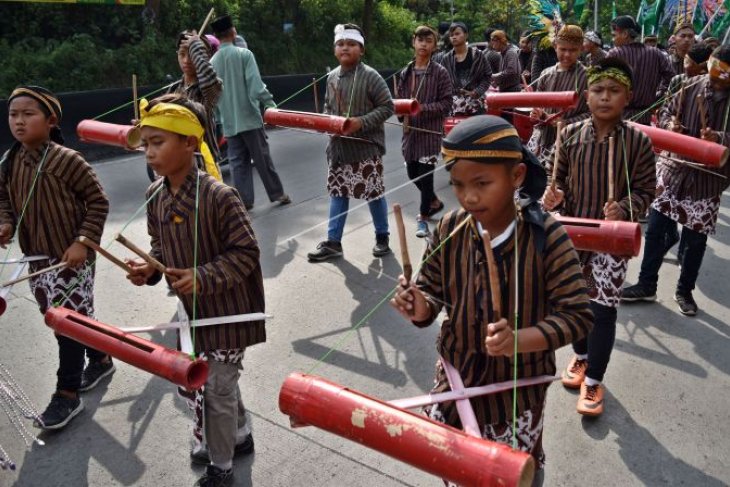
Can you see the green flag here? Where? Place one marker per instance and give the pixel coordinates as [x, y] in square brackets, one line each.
[721, 24]
[649, 15]
[578, 7]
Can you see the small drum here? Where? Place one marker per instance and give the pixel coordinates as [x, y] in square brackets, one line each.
[523, 123]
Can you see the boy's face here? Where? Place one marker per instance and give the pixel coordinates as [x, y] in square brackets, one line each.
[186, 64]
[525, 45]
[567, 53]
[486, 190]
[167, 153]
[348, 52]
[28, 123]
[457, 37]
[607, 100]
[684, 40]
[424, 45]
[620, 37]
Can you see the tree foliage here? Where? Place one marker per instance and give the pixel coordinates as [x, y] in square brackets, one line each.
[73, 47]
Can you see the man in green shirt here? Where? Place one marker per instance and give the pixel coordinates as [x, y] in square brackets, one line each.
[239, 113]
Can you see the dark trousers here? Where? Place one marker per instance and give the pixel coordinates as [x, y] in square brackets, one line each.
[423, 176]
[247, 145]
[71, 358]
[691, 252]
[599, 342]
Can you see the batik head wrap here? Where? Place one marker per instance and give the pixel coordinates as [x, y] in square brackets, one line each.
[492, 140]
[179, 120]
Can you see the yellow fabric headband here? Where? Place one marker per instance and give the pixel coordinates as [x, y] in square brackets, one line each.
[179, 120]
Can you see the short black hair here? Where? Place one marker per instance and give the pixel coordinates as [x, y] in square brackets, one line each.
[189, 32]
[458, 25]
[722, 53]
[700, 52]
[617, 63]
[426, 31]
[354, 27]
[488, 33]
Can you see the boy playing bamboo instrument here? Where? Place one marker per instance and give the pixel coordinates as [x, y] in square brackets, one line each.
[541, 289]
[429, 83]
[51, 196]
[586, 163]
[200, 230]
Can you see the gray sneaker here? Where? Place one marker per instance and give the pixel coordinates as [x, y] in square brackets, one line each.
[686, 304]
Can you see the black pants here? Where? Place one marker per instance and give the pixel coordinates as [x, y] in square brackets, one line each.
[424, 184]
[692, 248]
[71, 358]
[599, 342]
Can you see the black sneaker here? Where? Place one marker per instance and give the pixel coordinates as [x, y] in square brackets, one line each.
[216, 477]
[686, 304]
[326, 250]
[284, 200]
[202, 456]
[381, 246]
[59, 412]
[94, 372]
[637, 292]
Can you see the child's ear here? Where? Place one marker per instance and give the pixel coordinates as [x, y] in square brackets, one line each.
[519, 171]
[52, 120]
[629, 96]
[191, 142]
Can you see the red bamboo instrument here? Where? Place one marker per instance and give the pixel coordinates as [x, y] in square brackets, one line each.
[407, 106]
[607, 236]
[699, 150]
[125, 136]
[411, 438]
[172, 365]
[451, 122]
[533, 99]
[305, 120]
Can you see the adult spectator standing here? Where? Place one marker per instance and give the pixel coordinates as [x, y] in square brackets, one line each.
[508, 77]
[593, 48]
[684, 39]
[239, 113]
[652, 70]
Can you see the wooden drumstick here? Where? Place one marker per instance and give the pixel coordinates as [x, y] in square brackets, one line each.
[134, 97]
[703, 111]
[35, 274]
[205, 22]
[553, 183]
[96, 247]
[159, 266]
[406, 260]
[316, 95]
[611, 193]
[494, 285]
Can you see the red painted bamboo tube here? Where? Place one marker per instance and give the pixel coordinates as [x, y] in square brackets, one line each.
[607, 236]
[534, 99]
[407, 106]
[125, 136]
[702, 151]
[172, 365]
[451, 122]
[306, 120]
[411, 438]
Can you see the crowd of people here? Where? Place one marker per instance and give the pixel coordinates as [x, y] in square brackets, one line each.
[547, 294]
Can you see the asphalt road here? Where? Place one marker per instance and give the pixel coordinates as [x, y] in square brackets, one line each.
[666, 420]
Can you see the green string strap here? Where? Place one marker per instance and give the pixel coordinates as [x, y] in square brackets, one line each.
[27, 199]
[195, 261]
[516, 319]
[303, 89]
[338, 345]
[124, 105]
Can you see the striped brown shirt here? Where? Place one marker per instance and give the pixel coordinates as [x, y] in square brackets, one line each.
[67, 202]
[573, 79]
[206, 91]
[433, 89]
[552, 297]
[592, 58]
[683, 180]
[508, 77]
[228, 256]
[583, 170]
[652, 74]
[480, 74]
[359, 92]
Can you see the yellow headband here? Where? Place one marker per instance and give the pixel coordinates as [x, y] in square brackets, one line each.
[179, 120]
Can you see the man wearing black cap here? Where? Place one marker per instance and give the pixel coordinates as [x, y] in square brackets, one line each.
[652, 70]
[238, 111]
[684, 39]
